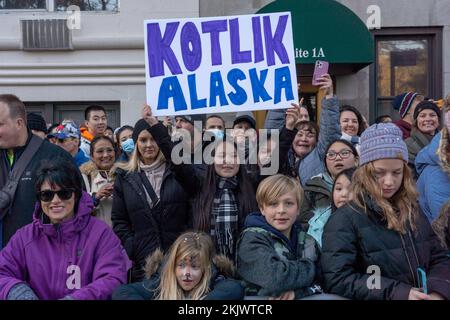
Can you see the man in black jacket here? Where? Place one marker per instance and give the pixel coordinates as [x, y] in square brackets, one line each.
[14, 138]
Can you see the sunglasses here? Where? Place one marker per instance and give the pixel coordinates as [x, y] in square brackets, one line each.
[48, 195]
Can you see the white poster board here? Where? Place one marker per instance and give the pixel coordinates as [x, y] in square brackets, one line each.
[220, 64]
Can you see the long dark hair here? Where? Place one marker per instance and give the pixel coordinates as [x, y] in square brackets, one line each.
[246, 197]
[60, 173]
[361, 125]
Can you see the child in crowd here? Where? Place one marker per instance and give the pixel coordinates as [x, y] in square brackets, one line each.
[383, 227]
[275, 257]
[342, 188]
[190, 270]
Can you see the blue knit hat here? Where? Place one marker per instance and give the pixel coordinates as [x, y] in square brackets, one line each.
[403, 102]
[382, 141]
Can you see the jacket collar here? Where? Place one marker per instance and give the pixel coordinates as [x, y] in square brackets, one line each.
[257, 220]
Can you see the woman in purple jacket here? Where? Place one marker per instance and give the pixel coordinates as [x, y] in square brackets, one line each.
[65, 253]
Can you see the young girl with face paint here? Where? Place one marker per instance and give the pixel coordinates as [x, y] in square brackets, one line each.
[383, 226]
[190, 270]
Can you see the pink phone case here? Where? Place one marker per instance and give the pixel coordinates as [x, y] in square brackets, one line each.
[320, 69]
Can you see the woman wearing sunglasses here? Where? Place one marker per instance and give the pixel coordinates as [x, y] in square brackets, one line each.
[317, 207]
[65, 253]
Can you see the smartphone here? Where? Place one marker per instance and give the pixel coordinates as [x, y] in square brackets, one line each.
[320, 69]
[422, 280]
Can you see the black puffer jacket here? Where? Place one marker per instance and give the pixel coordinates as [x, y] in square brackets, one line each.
[143, 229]
[353, 240]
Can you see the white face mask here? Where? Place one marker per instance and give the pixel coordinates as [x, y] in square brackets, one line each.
[218, 134]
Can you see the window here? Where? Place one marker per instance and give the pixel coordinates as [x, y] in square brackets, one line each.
[87, 5]
[56, 112]
[406, 60]
[59, 5]
[22, 4]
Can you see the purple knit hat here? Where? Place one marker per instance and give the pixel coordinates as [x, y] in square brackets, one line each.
[382, 141]
[403, 102]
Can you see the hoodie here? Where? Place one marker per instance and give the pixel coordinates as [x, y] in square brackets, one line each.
[80, 258]
[270, 264]
[433, 168]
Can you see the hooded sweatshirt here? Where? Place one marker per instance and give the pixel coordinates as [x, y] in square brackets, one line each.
[433, 168]
[80, 258]
[271, 264]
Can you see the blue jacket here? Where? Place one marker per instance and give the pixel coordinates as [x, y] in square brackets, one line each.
[433, 168]
[80, 158]
[330, 130]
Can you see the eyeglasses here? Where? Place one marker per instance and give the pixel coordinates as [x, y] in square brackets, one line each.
[48, 195]
[344, 154]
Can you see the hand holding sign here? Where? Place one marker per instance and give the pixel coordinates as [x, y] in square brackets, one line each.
[220, 64]
[147, 115]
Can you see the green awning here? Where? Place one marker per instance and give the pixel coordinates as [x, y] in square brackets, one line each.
[328, 27]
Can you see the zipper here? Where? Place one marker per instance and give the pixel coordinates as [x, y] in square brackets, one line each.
[58, 232]
[416, 281]
[414, 249]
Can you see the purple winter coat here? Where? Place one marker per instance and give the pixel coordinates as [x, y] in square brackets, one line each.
[49, 258]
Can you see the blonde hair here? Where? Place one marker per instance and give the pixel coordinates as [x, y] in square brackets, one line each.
[133, 163]
[272, 188]
[195, 245]
[399, 211]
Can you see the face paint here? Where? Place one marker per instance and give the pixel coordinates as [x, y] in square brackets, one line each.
[188, 273]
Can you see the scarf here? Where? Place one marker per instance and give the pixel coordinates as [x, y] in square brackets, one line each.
[154, 173]
[225, 216]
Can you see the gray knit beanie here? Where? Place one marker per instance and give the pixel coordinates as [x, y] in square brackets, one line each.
[382, 141]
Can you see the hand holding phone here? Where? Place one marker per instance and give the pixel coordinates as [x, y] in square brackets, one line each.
[422, 276]
[320, 69]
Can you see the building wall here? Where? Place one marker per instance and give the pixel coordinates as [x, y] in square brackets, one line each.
[354, 89]
[399, 13]
[107, 63]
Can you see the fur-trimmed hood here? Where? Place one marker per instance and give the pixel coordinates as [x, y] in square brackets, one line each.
[89, 168]
[221, 265]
